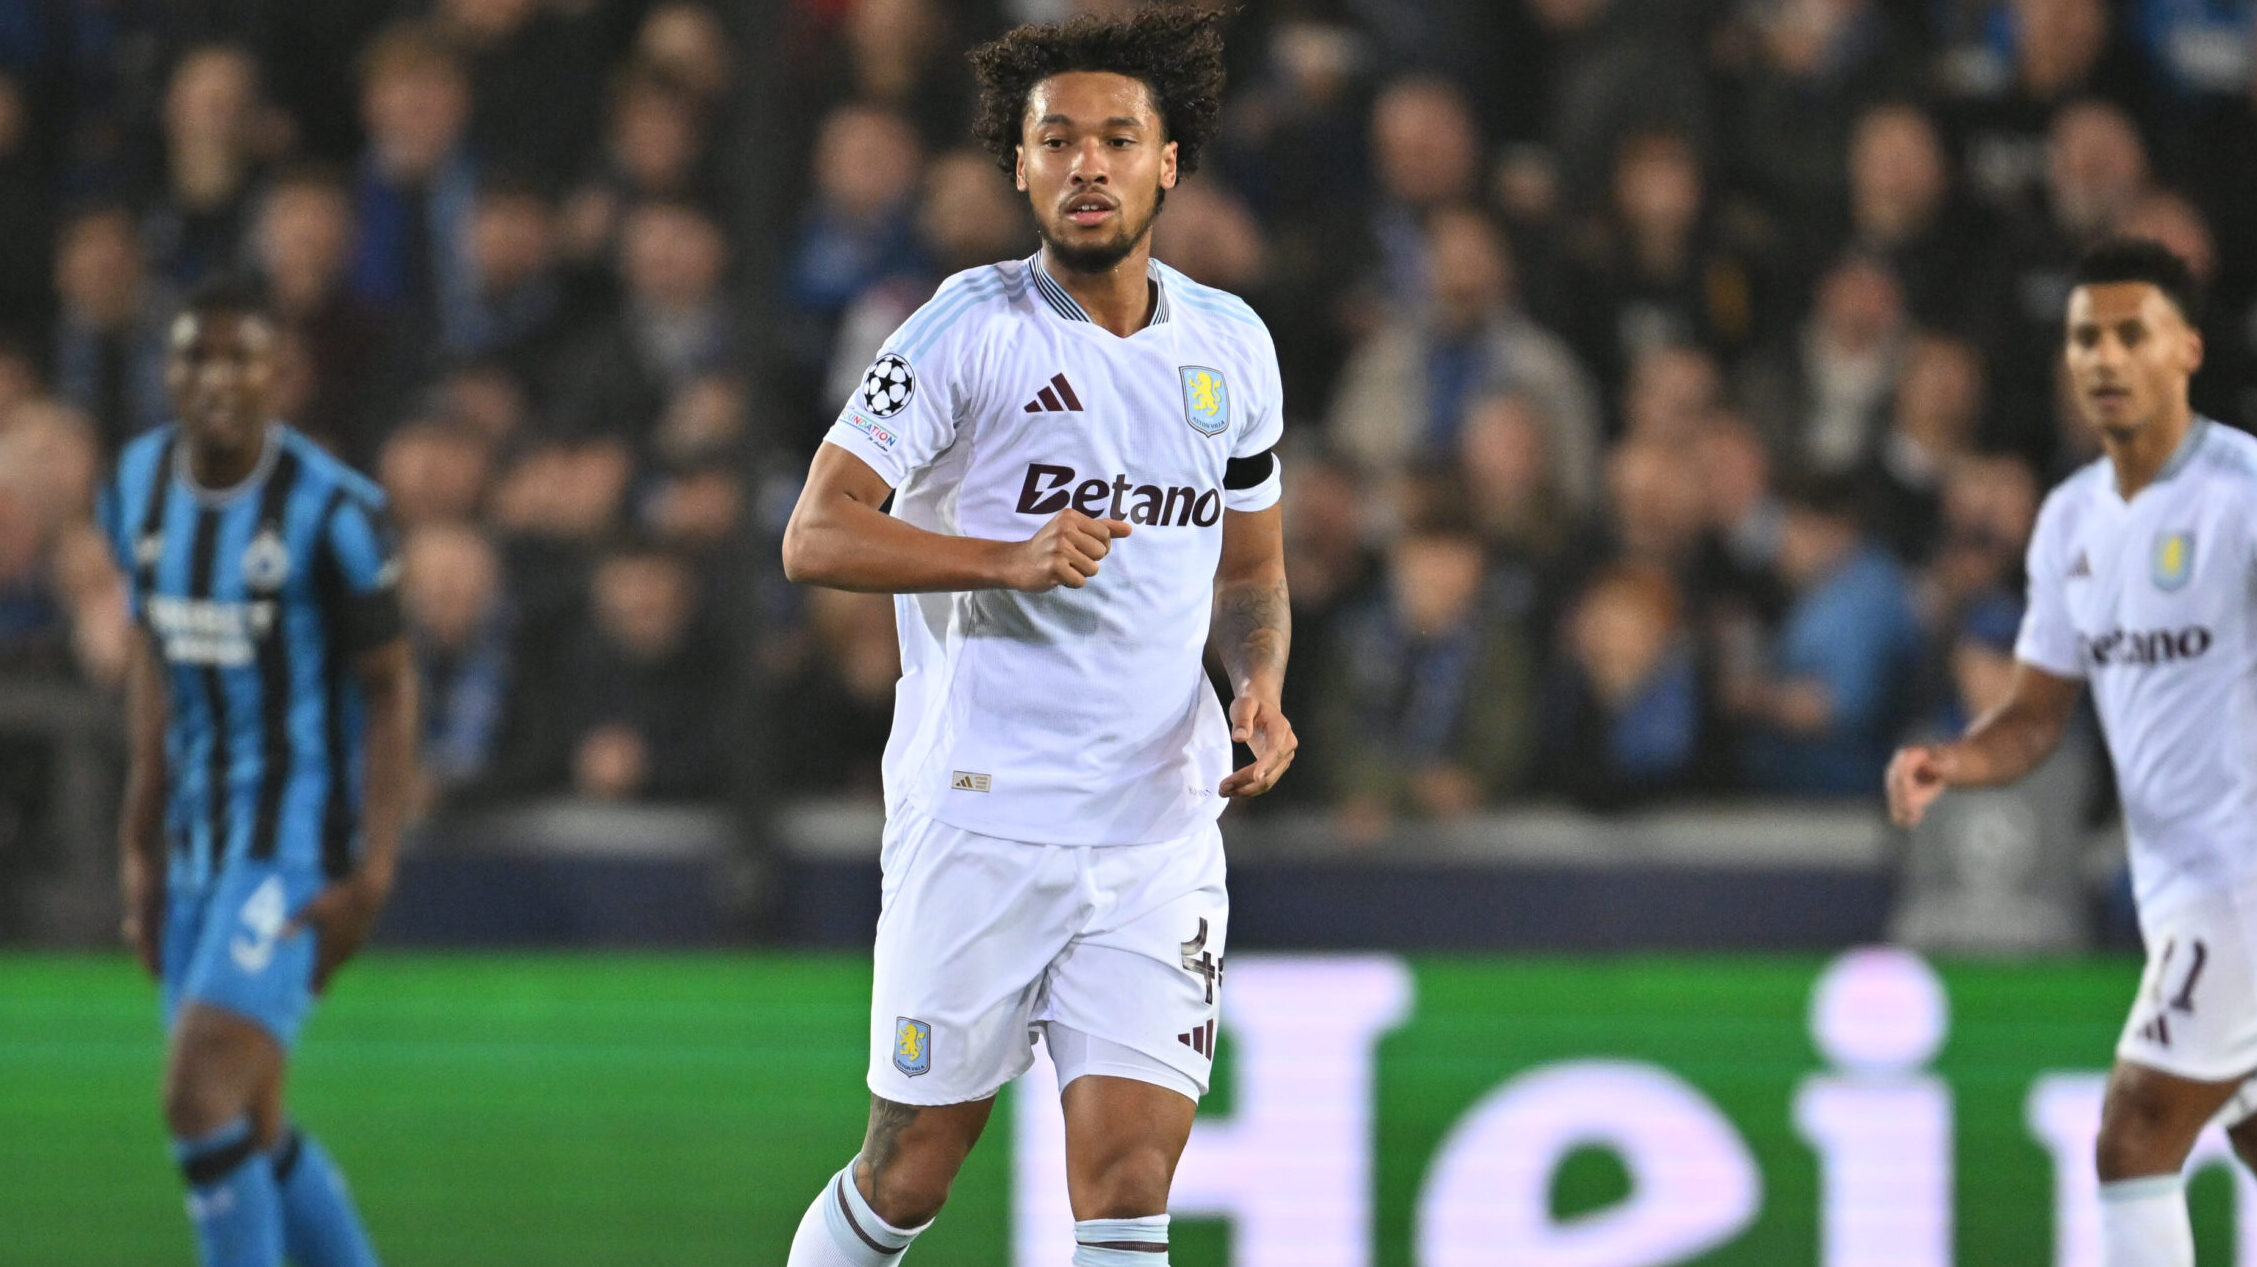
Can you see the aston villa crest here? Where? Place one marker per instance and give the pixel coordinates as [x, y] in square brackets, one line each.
[1206, 400]
[2174, 559]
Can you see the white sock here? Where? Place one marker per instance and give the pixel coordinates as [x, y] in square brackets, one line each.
[841, 1230]
[1122, 1242]
[2143, 1223]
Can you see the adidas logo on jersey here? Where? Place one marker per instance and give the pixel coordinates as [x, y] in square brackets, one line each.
[1057, 398]
[1046, 492]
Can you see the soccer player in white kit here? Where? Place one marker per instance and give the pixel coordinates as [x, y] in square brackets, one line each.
[2143, 585]
[1078, 450]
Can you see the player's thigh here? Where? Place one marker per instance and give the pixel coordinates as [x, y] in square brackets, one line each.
[968, 931]
[1124, 1136]
[2194, 1018]
[1148, 980]
[2149, 1119]
[220, 1066]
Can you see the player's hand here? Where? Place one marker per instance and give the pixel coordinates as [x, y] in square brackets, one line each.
[144, 924]
[1915, 779]
[1265, 730]
[1065, 552]
[341, 918]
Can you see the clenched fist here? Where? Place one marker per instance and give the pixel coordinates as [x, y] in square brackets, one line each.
[1065, 552]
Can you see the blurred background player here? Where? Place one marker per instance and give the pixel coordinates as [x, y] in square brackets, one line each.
[271, 706]
[2139, 583]
[1058, 760]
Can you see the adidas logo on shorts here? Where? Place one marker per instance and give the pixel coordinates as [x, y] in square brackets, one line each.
[1201, 1040]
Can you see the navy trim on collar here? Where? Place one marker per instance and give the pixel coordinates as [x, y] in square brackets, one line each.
[1063, 303]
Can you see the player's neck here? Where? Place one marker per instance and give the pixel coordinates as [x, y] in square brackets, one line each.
[2140, 456]
[1120, 299]
[218, 469]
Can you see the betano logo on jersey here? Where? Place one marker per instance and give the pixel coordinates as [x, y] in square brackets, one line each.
[2147, 647]
[1170, 506]
[203, 632]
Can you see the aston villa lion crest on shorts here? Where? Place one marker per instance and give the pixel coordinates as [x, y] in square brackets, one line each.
[912, 1046]
[1206, 400]
[2174, 559]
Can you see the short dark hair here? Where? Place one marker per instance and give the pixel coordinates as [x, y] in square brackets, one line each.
[229, 294]
[2143, 260]
[1176, 50]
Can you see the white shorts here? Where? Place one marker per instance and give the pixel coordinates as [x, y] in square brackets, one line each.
[1113, 953]
[2196, 1013]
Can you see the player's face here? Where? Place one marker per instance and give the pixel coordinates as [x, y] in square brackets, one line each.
[2130, 354]
[219, 369]
[1093, 160]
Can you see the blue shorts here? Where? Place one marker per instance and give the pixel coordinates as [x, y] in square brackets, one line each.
[224, 946]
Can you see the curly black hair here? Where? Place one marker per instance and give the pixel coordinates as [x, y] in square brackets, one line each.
[2143, 260]
[1175, 49]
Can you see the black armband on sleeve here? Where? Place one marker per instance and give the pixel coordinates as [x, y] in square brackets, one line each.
[1244, 473]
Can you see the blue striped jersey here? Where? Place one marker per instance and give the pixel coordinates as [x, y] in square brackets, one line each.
[258, 599]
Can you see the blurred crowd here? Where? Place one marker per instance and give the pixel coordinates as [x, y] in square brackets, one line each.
[1671, 384]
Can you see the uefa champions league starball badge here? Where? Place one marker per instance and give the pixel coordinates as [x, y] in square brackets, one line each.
[887, 387]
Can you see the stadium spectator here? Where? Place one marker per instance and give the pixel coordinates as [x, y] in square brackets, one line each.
[860, 227]
[1672, 389]
[1904, 209]
[517, 314]
[529, 67]
[1426, 156]
[302, 243]
[1817, 64]
[27, 228]
[1824, 709]
[838, 689]
[1330, 569]
[417, 183]
[687, 43]
[1822, 396]
[434, 472]
[641, 720]
[458, 621]
[1612, 68]
[196, 221]
[2059, 52]
[1934, 416]
[675, 326]
[655, 147]
[1658, 272]
[1625, 717]
[1429, 711]
[1403, 395]
[1526, 503]
[110, 330]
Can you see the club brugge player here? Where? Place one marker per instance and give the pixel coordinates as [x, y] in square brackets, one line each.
[1077, 446]
[270, 715]
[2143, 579]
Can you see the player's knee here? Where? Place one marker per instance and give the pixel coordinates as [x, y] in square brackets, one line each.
[1129, 1184]
[2243, 1136]
[909, 1192]
[2140, 1134]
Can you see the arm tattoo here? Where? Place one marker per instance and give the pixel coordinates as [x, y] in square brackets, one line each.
[887, 1121]
[1253, 629]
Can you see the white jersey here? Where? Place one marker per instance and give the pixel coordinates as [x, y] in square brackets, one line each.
[1077, 716]
[2151, 601]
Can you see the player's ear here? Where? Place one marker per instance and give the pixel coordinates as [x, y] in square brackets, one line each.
[1019, 167]
[1168, 165]
[2194, 348]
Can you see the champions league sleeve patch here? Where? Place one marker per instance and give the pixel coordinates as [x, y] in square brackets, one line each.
[886, 387]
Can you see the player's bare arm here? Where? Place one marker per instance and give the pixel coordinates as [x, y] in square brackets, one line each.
[2003, 745]
[1253, 633]
[141, 848]
[345, 913]
[839, 536]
